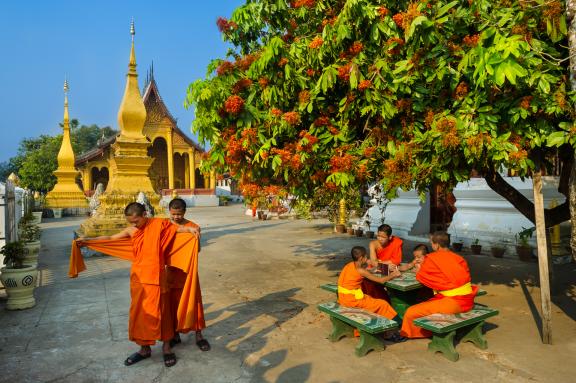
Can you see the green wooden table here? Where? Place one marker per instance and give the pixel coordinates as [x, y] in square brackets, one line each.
[406, 291]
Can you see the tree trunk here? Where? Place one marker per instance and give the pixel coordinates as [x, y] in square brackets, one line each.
[571, 21]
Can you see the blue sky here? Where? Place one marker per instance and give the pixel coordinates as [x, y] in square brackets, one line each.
[89, 42]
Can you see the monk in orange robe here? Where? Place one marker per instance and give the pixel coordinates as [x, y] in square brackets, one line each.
[448, 275]
[386, 249]
[151, 317]
[177, 278]
[350, 293]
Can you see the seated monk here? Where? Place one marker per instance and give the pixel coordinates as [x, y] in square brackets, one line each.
[150, 313]
[350, 293]
[177, 279]
[420, 251]
[387, 249]
[448, 275]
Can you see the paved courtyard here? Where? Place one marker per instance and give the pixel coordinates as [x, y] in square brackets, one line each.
[260, 286]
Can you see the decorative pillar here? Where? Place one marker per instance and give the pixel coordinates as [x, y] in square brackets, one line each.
[192, 165]
[213, 180]
[170, 160]
[186, 172]
[342, 220]
[87, 182]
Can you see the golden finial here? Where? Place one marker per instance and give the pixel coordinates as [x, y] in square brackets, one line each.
[66, 85]
[132, 29]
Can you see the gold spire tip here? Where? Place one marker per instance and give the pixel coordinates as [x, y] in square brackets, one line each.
[132, 29]
[66, 85]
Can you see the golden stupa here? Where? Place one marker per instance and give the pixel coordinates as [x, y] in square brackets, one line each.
[66, 194]
[128, 166]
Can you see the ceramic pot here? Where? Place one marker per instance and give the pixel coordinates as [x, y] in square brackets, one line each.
[19, 284]
[340, 228]
[476, 249]
[457, 246]
[497, 252]
[524, 253]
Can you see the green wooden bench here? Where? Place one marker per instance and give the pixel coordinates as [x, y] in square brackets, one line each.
[445, 326]
[346, 319]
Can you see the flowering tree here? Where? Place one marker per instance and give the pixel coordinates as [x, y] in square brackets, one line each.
[325, 95]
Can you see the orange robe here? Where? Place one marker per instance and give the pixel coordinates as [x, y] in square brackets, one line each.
[150, 249]
[391, 252]
[352, 280]
[441, 270]
[176, 282]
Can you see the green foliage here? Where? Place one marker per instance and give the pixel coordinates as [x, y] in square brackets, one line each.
[13, 253]
[28, 232]
[37, 157]
[522, 237]
[322, 96]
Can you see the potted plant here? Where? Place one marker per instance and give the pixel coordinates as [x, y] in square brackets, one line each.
[350, 229]
[358, 232]
[223, 199]
[523, 248]
[457, 245]
[497, 250]
[29, 234]
[369, 233]
[476, 247]
[18, 278]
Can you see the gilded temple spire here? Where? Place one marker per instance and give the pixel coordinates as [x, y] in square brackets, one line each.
[66, 154]
[132, 113]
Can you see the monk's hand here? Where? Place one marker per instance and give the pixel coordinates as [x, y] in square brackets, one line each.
[81, 241]
[395, 273]
[195, 232]
[372, 263]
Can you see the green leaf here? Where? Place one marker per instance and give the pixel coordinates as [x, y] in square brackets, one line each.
[445, 8]
[557, 139]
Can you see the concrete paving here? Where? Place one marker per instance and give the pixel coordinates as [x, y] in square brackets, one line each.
[260, 286]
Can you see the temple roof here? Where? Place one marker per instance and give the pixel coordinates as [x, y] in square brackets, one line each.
[156, 111]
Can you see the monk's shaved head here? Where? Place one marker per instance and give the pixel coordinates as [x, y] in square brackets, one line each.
[440, 238]
[358, 252]
[177, 204]
[134, 208]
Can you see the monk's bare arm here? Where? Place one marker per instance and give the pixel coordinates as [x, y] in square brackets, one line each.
[373, 257]
[188, 229]
[368, 275]
[123, 234]
[407, 266]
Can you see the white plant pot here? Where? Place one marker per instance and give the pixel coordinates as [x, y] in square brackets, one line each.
[32, 251]
[19, 284]
[37, 217]
[57, 213]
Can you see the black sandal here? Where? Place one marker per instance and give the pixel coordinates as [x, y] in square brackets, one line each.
[135, 358]
[203, 345]
[169, 359]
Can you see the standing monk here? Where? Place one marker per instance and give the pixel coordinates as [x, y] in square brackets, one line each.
[150, 314]
[448, 275]
[177, 278]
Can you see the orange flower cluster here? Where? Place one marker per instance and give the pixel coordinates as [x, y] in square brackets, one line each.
[224, 68]
[383, 11]
[320, 175]
[283, 61]
[234, 104]
[369, 151]
[310, 72]
[310, 141]
[333, 130]
[250, 136]
[322, 121]
[272, 190]
[293, 24]
[518, 156]
[403, 104]
[398, 19]
[276, 112]
[526, 101]
[263, 81]
[476, 142]
[471, 41]
[429, 119]
[451, 140]
[316, 42]
[461, 91]
[342, 163]
[250, 190]
[356, 48]
[304, 97]
[225, 26]
[241, 85]
[234, 150]
[293, 118]
[364, 84]
[553, 10]
[331, 186]
[344, 72]
[445, 125]
[396, 40]
[362, 172]
[245, 62]
[329, 21]
[303, 3]
[404, 19]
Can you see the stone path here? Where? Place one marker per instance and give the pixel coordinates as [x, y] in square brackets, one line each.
[260, 286]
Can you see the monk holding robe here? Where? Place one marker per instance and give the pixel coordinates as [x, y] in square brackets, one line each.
[350, 293]
[151, 316]
[177, 279]
[448, 275]
[386, 249]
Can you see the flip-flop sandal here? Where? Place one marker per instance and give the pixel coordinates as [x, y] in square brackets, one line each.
[203, 345]
[175, 341]
[169, 359]
[135, 358]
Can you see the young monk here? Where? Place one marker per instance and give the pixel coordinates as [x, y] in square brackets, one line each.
[420, 251]
[387, 249]
[150, 314]
[177, 278]
[448, 275]
[350, 293]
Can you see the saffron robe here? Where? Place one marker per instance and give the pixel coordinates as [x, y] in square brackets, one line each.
[352, 280]
[176, 283]
[392, 252]
[441, 270]
[150, 249]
